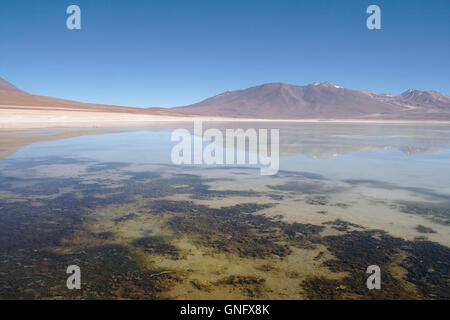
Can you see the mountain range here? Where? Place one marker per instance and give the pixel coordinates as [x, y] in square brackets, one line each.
[318, 100]
[323, 100]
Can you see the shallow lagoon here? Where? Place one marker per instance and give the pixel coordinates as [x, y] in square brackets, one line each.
[346, 196]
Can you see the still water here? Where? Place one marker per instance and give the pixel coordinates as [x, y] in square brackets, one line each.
[346, 196]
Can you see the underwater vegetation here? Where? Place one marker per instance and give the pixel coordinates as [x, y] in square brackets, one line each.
[235, 230]
[311, 187]
[356, 250]
[317, 200]
[108, 272]
[422, 229]
[342, 225]
[229, 229]
[253, 287]
[157, 245]
[46, 228]
[439, 213]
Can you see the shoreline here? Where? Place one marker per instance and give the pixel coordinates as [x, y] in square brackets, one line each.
[5, 126]
[33, 119]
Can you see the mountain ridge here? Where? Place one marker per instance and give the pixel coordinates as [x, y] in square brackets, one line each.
[323, 100]
[8, 86]
[273, 101]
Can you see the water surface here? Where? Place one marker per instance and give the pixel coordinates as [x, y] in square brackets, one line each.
[346, 196]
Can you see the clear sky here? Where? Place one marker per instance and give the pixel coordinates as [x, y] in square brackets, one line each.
[169, 53]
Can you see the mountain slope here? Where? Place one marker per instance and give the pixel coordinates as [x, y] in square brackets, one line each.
[6, 86]
[429, 98]
[14, 98]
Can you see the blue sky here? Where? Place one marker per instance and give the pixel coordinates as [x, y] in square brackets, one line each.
[169, 53]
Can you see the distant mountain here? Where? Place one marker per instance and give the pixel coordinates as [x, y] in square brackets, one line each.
[430, 98]
[318, 100]
[321, 101]
[14, 98]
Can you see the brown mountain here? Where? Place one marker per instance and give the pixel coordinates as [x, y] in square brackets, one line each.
[268, 101]
[322, 101]
[14, 98]
[426, 98]
[6, 86]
